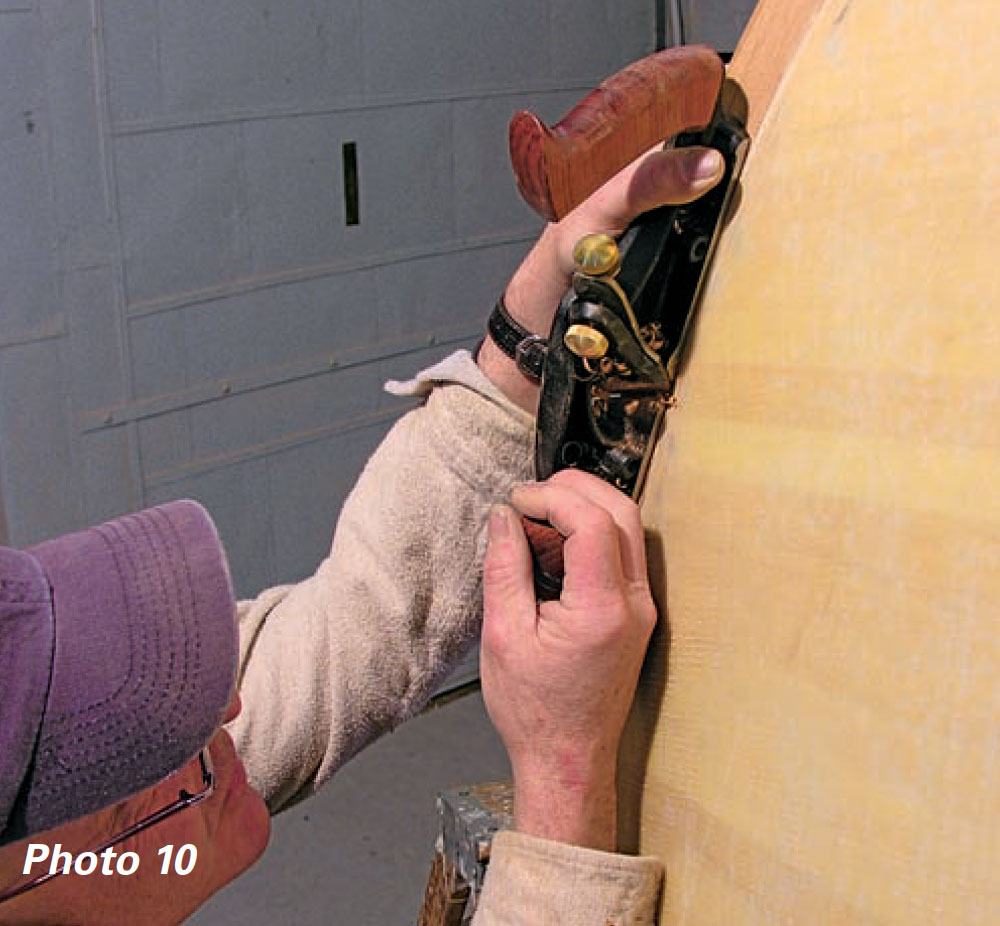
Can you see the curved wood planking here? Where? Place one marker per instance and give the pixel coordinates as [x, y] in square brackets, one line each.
[764, 54]
[820, 743]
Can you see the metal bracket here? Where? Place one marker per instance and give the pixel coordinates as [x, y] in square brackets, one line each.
[468, 819]
[618, 337]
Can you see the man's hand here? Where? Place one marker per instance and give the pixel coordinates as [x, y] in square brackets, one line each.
[660, 177]
[559, 677]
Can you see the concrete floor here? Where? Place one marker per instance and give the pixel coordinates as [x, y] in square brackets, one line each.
[358, 852]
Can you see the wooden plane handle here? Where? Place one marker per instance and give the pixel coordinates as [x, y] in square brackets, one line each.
[547, 557]
[651, 100]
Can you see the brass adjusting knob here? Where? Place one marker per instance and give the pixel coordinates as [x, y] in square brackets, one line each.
[586, 342]
[597, 255]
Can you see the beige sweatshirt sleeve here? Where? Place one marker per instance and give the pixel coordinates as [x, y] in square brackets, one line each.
[330, 664]
[535, 882]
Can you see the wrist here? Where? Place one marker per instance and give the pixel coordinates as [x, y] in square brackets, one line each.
[579, 818]
[502, 371]
[573, 805]
[526, 348]
[532, 297]
[536, 289]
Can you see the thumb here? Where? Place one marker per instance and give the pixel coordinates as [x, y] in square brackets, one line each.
[674, 175]
[508, 580]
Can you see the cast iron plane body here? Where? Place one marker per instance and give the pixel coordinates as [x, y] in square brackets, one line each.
[618, 337]
[602, 414]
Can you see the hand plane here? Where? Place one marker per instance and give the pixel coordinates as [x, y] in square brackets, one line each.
[617, 340]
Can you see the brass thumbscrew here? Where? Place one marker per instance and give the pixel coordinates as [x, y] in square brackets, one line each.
[597, 255]
[586, 341]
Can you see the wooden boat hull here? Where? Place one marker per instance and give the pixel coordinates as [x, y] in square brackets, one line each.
[816, 737]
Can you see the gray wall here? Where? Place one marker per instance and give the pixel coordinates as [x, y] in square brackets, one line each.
[185, 311]
[718, 23]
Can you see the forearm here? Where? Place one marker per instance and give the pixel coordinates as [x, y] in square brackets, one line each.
[330, 664]
[531, 298]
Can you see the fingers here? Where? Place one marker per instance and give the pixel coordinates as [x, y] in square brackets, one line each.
[675, 176]
[508, 580]
[603, 529]
[625, 513]
[591, 554]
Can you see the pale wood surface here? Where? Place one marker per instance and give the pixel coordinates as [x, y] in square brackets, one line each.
[821, 743]
[770, 41]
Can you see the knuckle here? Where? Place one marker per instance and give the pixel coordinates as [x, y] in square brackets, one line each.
[600, 520]
[631, 516]
[646, 612]
[568, 476]
[615, 614]
[600, 494]
[577, 480]
[494, 638]
[634, 614]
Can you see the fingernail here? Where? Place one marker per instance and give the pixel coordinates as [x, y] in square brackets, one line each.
[707, 167]
[499, 526]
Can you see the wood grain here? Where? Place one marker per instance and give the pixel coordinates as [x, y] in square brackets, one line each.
[445, 896]
[648, 102]
[765, 51]
[817, 730]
